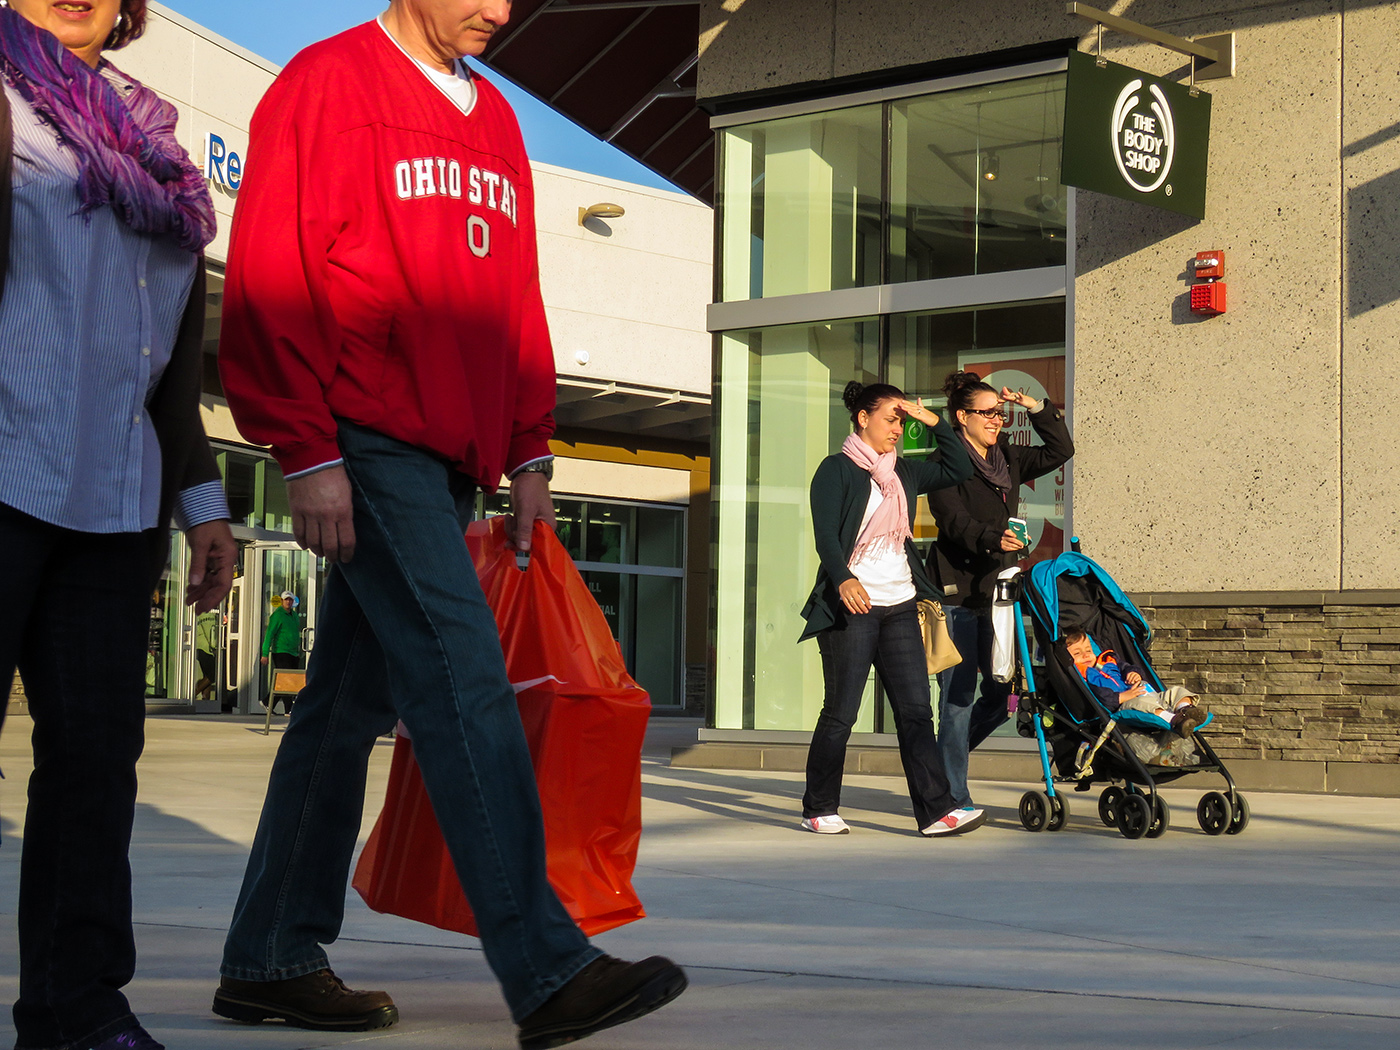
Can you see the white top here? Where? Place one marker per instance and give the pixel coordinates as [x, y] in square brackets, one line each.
[885, 576]
[457, 85]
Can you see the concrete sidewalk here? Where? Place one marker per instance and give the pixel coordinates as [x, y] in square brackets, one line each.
[1283, 938]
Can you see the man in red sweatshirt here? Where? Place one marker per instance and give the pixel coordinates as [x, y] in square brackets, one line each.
[383, 332]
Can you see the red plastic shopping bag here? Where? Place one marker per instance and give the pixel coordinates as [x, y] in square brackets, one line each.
[584, 719]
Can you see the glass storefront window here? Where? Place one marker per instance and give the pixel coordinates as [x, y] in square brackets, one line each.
[257, 494]
[967, 203]
[169, 619]
[779, 413]
[974, 180]
[944, 184]
[801, 204]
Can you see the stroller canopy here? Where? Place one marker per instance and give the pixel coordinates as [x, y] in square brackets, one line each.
[1075, 590]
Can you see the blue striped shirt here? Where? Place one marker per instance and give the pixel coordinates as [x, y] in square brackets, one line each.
[87, 326]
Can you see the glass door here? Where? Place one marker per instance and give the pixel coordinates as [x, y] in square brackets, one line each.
[231, 671]
[283, 589]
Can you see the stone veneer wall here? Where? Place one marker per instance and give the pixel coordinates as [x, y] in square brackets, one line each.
[1298, 682]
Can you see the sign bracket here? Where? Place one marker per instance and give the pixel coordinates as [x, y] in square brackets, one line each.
[1216, 53]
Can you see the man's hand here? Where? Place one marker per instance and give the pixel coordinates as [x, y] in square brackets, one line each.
[212, 556]
[323, 519]
[529, 501]
[1010, 541]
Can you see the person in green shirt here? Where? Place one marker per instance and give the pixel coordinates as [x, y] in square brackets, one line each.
[282, 643]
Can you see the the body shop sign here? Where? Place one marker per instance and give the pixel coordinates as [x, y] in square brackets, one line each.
[1135, 136]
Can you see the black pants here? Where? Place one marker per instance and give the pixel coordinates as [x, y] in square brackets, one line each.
[889, 638]
[75, 940]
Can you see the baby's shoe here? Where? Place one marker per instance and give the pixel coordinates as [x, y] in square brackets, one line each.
[1188, 719]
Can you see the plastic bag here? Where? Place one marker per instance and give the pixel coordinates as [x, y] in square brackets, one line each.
[584, 719]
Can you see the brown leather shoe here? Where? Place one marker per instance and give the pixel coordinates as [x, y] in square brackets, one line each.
[604, 993]
[317, 1000]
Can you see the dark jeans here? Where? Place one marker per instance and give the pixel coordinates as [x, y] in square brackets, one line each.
[75, 942]
[965, 716]
[405, 632]
[889, 638]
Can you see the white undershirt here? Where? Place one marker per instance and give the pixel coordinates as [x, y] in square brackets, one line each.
[458, 85]
[885, 576]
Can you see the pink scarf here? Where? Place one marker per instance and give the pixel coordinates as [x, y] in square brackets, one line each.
[888, 527]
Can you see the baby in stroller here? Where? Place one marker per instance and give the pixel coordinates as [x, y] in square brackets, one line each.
[1122, 689]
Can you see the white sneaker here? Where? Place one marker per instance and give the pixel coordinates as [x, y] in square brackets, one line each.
[968, 818]
[831, 825]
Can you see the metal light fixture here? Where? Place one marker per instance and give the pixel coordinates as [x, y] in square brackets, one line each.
[600, 211]
[991, 167]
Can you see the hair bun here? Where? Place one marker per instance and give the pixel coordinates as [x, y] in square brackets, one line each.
[850, 397]
[957, 380]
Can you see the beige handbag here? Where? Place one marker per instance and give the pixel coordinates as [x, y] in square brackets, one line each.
[939, 650]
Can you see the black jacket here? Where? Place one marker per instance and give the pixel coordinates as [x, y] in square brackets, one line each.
[186, 459]
[966, 557]
[840, 493]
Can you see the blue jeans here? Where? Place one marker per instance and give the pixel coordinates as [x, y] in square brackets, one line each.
[887, 637]
[74, 619]
[405, 632]
[967, 717]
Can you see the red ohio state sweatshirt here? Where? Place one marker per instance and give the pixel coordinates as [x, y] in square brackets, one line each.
[383, 268]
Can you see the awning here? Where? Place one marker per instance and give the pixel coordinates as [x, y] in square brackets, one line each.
[623, 69]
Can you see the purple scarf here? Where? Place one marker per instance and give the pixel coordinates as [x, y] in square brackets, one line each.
[127, 153]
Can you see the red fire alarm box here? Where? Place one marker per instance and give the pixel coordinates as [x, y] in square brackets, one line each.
[1210, 266]
[1208, 299]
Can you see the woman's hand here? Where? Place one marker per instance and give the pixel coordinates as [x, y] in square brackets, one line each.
[1009, 541]
[1018, 397]
[916, 410]
[854, 596]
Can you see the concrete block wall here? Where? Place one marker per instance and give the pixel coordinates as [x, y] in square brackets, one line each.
[1301, 683]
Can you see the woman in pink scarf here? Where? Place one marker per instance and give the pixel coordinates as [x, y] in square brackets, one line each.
[863, 608]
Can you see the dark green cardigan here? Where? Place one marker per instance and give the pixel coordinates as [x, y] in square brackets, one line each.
[841, 492]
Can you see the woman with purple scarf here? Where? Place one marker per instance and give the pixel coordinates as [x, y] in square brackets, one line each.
[103, 219]
[863, 610]
[974, 544]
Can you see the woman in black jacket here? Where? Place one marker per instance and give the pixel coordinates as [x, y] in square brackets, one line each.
[974, 544]
[863, 609]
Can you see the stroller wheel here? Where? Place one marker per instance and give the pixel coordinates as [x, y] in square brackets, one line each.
[1059, 812]
[1239, 815]
[1213, 813]
[1134, 816]
[1108, 806]
[1035, 811]
[1161, 819]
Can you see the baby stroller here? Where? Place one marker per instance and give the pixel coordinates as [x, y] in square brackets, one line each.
[1080, 741]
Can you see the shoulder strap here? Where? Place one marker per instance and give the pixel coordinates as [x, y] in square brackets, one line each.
[6, 160]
